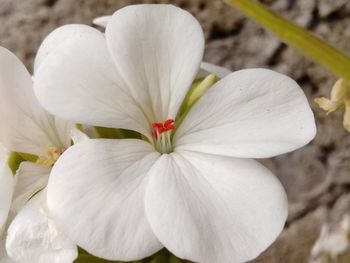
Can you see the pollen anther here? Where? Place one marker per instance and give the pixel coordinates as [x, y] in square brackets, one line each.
[159, 128]
[52, 156]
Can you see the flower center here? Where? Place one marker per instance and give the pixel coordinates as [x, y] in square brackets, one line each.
[52, 156]
[161, 135]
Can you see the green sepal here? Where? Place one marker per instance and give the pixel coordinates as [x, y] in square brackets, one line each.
[14, 161]
[110, 133]
[86, 258]
[163, 256]
[198, 88]
[295, 36]
[80, 127]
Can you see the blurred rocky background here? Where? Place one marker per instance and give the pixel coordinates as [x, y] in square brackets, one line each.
[317, 177]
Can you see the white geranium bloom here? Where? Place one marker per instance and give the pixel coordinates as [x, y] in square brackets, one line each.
[27, 128]
[195, 193]
[6, 187]
[6, 191]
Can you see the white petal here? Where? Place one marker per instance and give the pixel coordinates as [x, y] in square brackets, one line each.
[208, 208]
[30, 178]
[78, 81]
[6, 187]
[208, 68]
[101, 21]
[157, 50]
[25, 126]
[34, 238]
[78, 136]
[64, 131]
[57, 38]
[253, 113]
[4, 154]
[105, 194]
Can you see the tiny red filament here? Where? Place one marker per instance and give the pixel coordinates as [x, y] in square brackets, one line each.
[159, 128]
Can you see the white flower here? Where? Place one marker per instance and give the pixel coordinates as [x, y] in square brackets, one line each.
[6, 191]
[27, 129]
[6, 187]
[197, 194]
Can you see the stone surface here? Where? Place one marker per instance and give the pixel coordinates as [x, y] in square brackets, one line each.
[317, 177]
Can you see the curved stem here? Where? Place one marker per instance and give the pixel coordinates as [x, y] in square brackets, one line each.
[295, 36]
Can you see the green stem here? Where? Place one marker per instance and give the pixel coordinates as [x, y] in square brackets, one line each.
[308, 44]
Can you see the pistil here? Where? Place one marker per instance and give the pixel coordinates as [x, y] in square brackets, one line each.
[161, 135]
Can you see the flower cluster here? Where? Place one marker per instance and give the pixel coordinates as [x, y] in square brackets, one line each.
[188, 182]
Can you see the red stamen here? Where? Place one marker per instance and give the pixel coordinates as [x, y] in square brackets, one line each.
[159, 128]
[169, 125]
[154, 135]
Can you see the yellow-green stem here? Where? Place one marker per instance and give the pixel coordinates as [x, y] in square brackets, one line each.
[308, 44]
